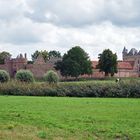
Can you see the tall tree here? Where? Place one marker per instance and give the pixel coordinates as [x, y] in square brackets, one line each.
[54, 54]
[76, 62]
[37, 53]
[3, 56]
[108, 62]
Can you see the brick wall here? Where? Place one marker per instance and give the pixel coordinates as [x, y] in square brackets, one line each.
[39, 69]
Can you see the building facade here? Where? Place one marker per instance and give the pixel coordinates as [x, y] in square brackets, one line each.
[38, 68]
[128, 67]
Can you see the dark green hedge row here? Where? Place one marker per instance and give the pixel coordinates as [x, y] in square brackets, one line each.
[73, 89]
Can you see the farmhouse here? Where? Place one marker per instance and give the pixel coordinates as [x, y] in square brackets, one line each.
[128, 67]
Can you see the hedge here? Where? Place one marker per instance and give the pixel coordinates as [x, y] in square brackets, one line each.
[127, 89]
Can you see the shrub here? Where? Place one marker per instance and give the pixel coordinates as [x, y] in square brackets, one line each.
[42, 134]
[24, 76]
[73, 89]
[4, 76]
[51, 77]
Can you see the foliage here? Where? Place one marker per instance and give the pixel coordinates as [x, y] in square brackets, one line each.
[24, 76]
[69, 118]
[51, 77]
[30, 62]
[4, 76]
[54, 54]
[3, 56]
[42, 134]
[129, 89]
[46, 55]
[108, 62]
[43, 53]
[76, 62]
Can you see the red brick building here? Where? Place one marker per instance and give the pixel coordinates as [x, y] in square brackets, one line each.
[128, 67]
[39, 68]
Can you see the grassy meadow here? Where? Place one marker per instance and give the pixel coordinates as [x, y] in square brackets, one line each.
[61, 118]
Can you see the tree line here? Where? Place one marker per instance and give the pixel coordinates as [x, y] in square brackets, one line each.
[75, 62]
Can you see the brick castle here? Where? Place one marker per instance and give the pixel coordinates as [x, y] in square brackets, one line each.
[38, 68]
[128, 67]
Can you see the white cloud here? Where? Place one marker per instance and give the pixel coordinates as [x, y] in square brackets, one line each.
[29, 25]
[85, 12]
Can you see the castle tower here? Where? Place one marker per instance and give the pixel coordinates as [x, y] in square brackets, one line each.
[124, 52]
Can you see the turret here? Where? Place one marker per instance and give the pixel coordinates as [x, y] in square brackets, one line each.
[25, 55]
[125, 52]
[133, 51]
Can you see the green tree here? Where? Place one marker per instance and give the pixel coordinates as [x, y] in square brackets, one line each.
[51, 77]
[108, 62]
[25, 76]
[54, 54]
[37, 53]
[4, 76]
[3, 56]
[76, 62]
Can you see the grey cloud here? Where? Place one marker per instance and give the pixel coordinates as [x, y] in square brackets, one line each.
[18, 33]
[62, 12]
[14, 27]
[41, 24]
[36, 17]
[123, 12]
[19, 38]
[86, 12]
[9, 10]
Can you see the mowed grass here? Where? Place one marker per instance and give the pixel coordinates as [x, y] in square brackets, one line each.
[56, 118]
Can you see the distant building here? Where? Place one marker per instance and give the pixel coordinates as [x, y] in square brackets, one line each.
[128, 67]
[38, 68]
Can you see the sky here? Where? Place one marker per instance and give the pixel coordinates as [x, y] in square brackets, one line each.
[95, 25]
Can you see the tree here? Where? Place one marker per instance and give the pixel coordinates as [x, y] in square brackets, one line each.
[3, 56]
[76, 62]
[37, 53]
[54, 54]
[108, 62]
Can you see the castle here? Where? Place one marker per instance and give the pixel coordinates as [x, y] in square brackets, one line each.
[38, 68]
[133, 58]
[128, 67]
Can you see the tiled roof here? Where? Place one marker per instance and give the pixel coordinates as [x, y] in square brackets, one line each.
[125, 65]
[121, 64]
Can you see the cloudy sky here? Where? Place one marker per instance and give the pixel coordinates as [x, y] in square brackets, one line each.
[29, 25]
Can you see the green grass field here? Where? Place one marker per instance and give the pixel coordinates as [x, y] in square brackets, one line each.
[35, 118]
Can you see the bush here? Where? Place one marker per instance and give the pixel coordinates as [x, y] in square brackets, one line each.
[73, 89]
[42, 134]
[4, 76]
[51, 77]
[24, 76]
